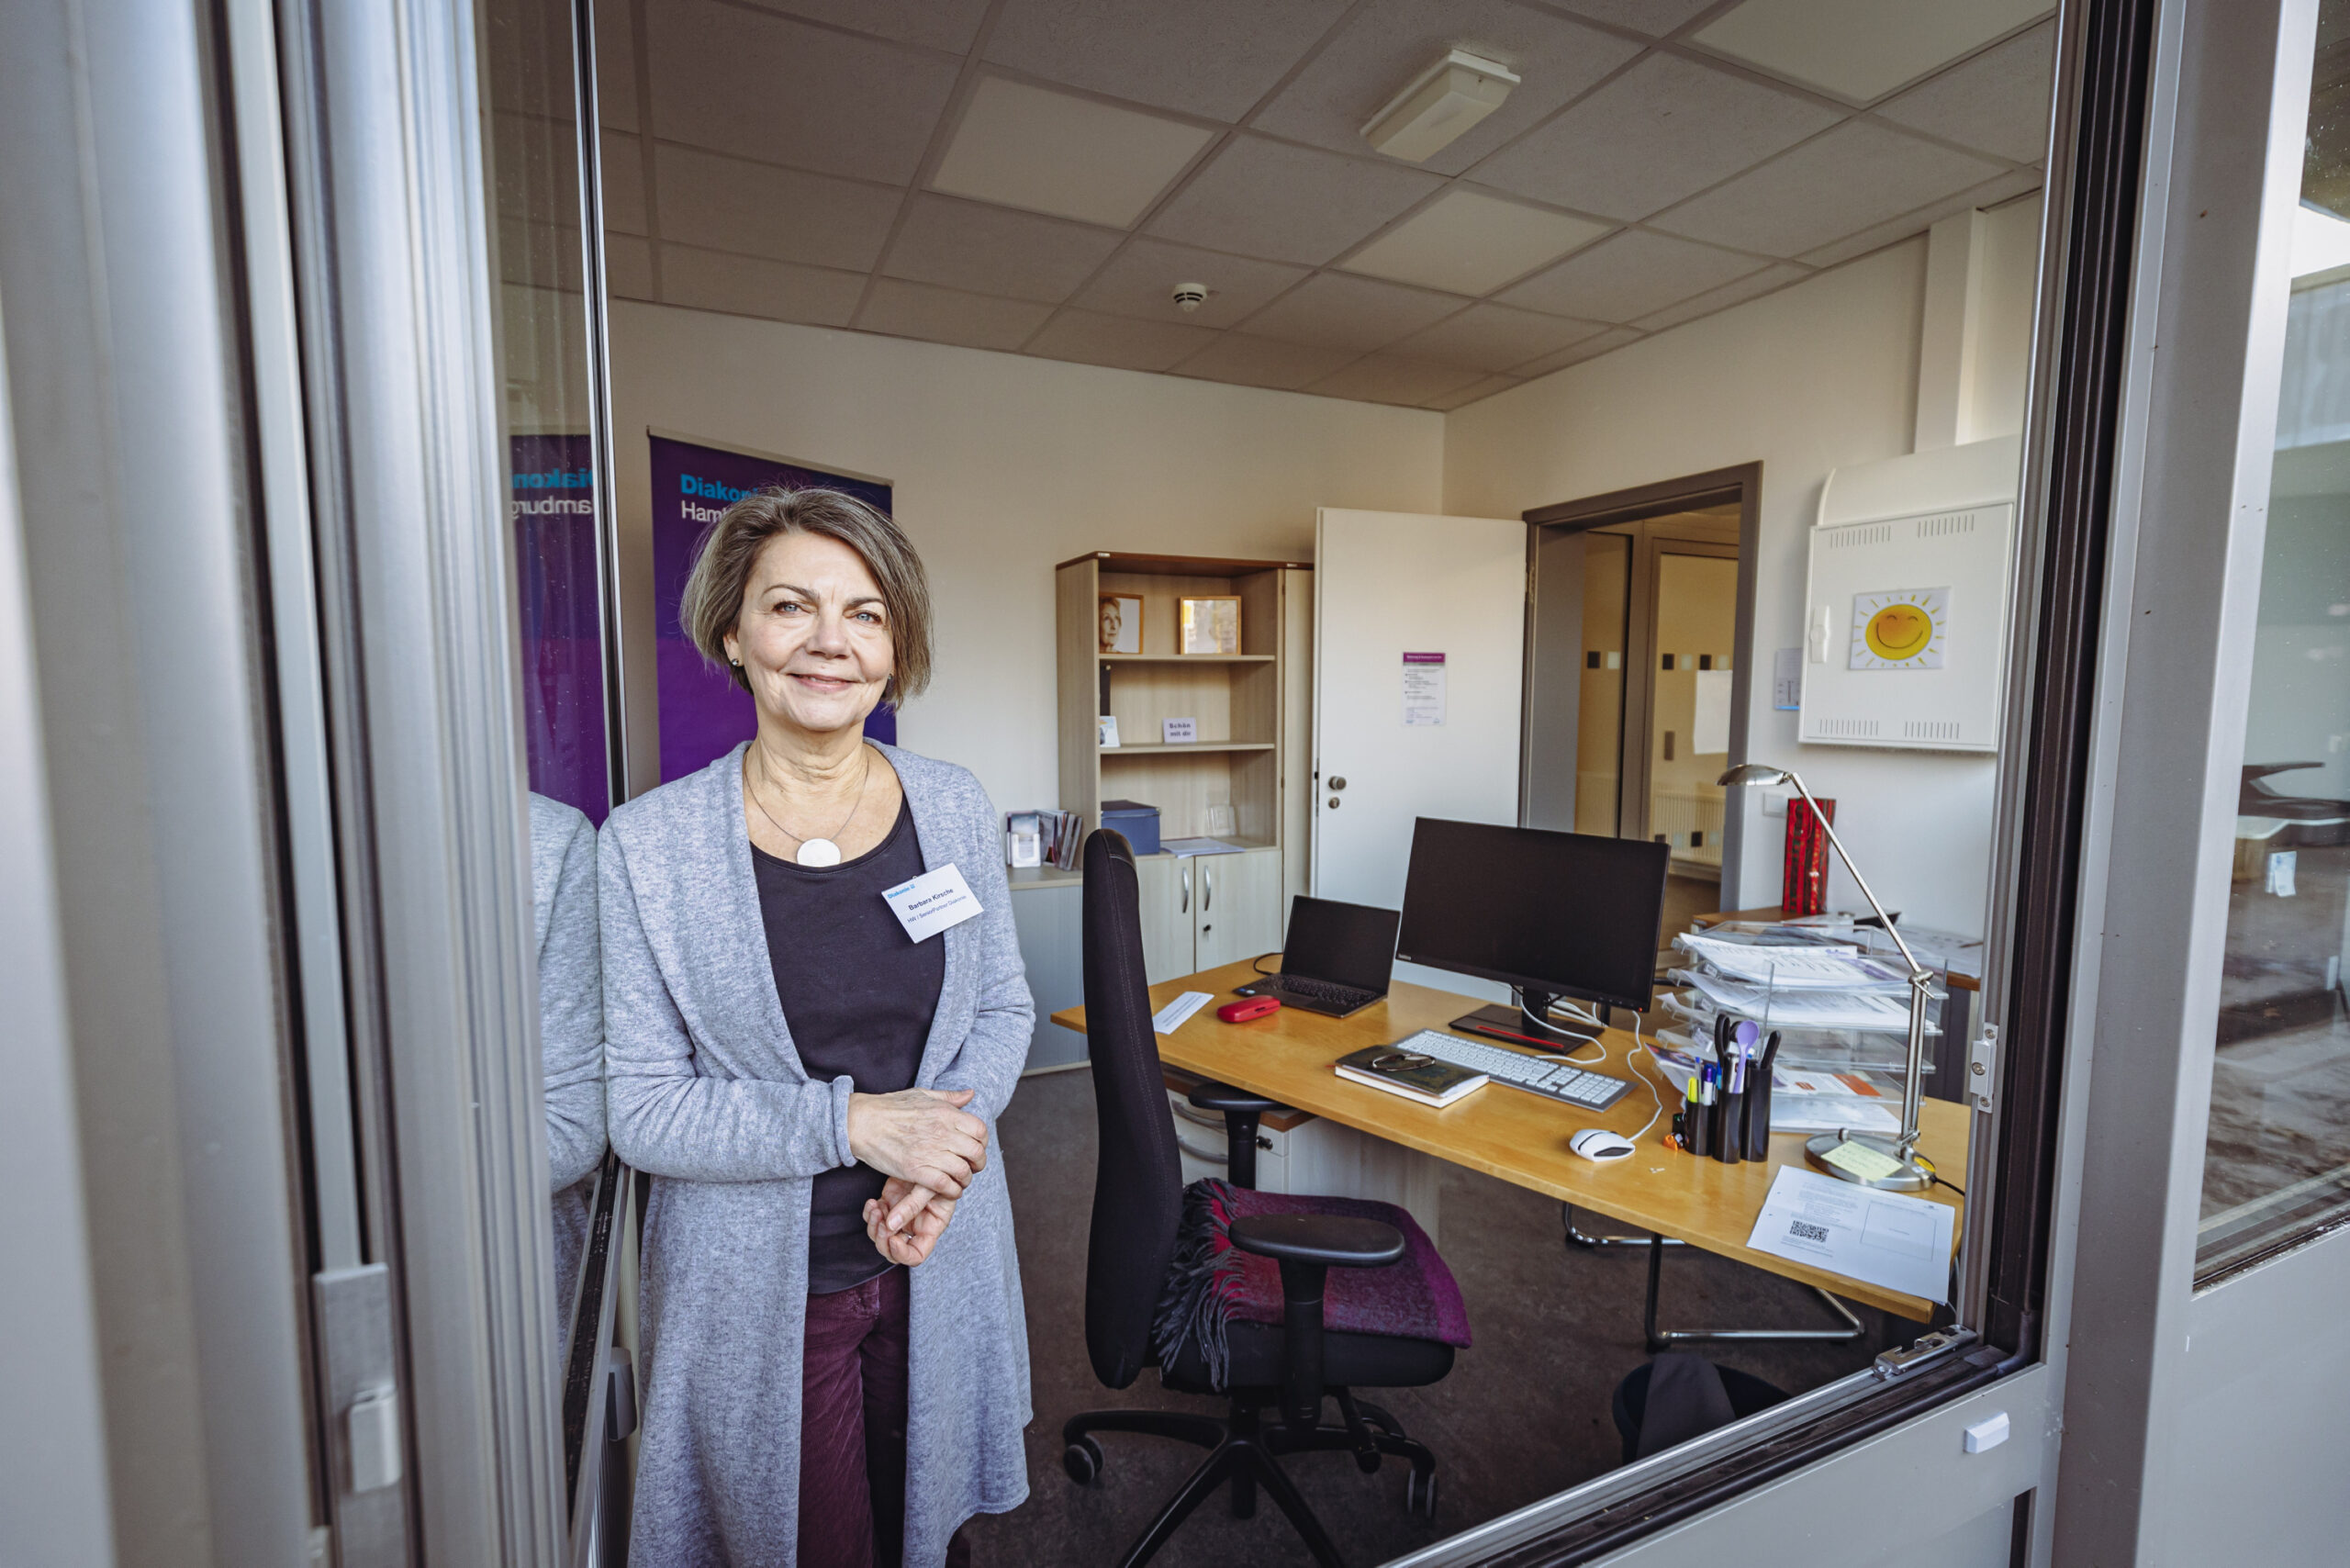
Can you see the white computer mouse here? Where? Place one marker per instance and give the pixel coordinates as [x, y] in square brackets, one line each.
[1599, 1146]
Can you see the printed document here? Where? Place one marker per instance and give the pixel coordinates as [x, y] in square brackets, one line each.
[1884, 1239]
[1802, 966]
[1171, 1017]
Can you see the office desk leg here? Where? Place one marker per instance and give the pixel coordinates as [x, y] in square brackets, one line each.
[1665, 1338]
[1575, 1238]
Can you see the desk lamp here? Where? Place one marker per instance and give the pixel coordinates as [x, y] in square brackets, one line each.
[1906, 1176]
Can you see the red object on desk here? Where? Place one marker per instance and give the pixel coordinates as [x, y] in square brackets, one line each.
[1803, 882]
[1248, 1007]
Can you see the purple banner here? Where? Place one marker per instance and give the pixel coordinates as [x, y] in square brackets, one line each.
[552, 506]
[703, 713]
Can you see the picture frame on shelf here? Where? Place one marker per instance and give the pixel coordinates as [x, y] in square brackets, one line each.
[1121, 623]
[1208, 624]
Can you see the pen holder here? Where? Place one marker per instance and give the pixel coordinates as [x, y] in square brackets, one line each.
[1758, 1118]
[1730, 1132]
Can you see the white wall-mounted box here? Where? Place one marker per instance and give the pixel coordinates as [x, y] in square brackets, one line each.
[1906, 617]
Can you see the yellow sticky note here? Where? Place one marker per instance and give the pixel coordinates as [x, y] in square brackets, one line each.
[1868, 1164]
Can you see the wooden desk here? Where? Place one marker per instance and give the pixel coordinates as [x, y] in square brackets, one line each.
[1519, 1137]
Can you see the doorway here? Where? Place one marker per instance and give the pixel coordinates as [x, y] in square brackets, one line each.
[1641, 611]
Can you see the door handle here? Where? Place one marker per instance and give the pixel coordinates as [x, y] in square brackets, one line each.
[1185, 907]
[1336, 783]
[1207, 880]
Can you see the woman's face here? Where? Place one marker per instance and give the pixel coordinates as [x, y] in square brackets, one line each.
[1110, 623]
[812, 636]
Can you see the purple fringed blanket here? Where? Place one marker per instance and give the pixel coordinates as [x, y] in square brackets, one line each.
[1212, 1283]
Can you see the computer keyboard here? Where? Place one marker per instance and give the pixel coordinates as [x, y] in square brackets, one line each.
[1555, 1080]
[1346, 996]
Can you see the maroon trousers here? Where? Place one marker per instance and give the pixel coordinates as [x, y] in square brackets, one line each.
[853, 1430]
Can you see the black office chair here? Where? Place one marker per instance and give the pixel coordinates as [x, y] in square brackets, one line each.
[1138, 1208]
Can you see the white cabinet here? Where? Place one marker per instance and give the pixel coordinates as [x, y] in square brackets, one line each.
[1199, 910]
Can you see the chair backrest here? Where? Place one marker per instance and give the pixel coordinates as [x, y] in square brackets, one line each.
[1137, 1177]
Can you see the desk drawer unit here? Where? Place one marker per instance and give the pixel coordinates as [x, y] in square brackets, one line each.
[1297, 1152]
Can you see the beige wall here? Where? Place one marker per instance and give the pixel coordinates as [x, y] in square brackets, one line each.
[1811, 378]
[1005, 466]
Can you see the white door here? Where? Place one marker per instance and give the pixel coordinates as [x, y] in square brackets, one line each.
[1163, 886]
[1398, 737]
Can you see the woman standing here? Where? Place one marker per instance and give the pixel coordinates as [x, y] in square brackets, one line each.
[836, 1359]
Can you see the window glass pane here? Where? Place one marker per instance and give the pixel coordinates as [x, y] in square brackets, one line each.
[1599, 716]
[2277, 1161]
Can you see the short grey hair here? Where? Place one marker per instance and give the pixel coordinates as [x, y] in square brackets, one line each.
[713, 602]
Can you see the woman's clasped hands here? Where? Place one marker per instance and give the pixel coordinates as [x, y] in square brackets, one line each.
[928, 1147]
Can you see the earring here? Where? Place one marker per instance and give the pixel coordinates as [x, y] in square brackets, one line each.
[736, 663]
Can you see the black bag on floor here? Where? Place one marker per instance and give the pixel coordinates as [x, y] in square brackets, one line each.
[1678, 1396]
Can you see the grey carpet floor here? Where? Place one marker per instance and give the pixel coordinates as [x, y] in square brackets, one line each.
[1524, 1413]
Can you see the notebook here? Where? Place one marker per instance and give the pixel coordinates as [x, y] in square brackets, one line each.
[1436, 1083]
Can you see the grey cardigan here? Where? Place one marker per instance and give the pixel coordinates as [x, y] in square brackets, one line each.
[707, 1095]
[571, 1019]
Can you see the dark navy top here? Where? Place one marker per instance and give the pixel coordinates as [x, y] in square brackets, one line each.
[858, 996]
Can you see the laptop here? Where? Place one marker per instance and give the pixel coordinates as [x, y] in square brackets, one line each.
[1337, 959]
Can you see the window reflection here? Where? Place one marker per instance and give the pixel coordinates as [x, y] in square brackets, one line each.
[2277, 1160]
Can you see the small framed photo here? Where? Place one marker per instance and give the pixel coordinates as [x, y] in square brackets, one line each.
[1121, 623]
[1207, 625]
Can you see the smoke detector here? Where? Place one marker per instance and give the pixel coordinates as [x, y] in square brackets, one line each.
[1189, 296]
[1443, 103]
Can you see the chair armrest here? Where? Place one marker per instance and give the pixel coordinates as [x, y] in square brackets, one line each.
[1307, 1248]
[1329, 1241]
[1240, 1110]
[1213, 1096]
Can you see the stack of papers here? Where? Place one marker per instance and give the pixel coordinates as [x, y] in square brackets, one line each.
[1800, 1007]
[1808, 967]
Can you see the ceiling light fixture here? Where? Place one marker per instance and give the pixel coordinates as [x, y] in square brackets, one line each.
[1443, 103]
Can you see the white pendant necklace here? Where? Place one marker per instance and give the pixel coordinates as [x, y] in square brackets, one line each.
[822, 851]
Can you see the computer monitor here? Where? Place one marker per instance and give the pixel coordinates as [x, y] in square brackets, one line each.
[1551, 914]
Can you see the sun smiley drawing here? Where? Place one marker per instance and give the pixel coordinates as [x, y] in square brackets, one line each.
[1906, 628]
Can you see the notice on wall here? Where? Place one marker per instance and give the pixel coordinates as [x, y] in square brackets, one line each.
[1710, 731]
[1423, 688]
[1786, 680]
[553, 509]
[702, 712]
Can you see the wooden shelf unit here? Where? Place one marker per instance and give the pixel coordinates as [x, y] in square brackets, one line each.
[1239, 701]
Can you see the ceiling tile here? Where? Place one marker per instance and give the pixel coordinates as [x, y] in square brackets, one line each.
[949, 315]
[1470, 242]
[1496, 337]
[1288, 204]
[993, 250]
[1461, 398]
[725, 203]
[2005, 186]
[623, 171]
[780, 91]
[1590, 348]
[1858, 175]
[1628, 275]
[1997, 101]
[1263, 361]
[615, 65]
[1214, 58]
[1663, 130]
[950, 25]
[1393, 378]
[750, 286]
[1777, 276]
[1654, 18]
[1335, 311]
[1056, 152]
[1389, 42]
[1120, 341]
[1859, 50]
[1139, 280]
[627, 267]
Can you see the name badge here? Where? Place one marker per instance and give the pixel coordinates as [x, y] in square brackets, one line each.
[932, 902]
